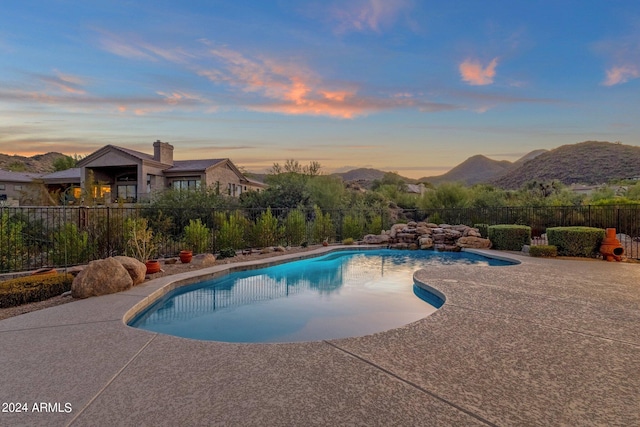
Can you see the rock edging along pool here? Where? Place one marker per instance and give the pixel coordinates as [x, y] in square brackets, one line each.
[340, 294]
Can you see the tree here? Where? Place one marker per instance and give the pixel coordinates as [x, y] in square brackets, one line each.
[446, 195]
[66, 162]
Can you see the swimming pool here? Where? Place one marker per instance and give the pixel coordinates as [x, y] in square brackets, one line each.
[341, 294]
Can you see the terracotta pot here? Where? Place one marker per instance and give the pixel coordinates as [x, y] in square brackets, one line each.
[185, 256]
[153, 266]
[43, 271]
[611, 249]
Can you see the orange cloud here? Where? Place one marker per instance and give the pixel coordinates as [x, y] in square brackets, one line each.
[622, 74]
[473, 73]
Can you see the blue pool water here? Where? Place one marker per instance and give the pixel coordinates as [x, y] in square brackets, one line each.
[341, 294]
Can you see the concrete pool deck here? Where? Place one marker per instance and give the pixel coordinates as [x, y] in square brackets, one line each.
[545, 342]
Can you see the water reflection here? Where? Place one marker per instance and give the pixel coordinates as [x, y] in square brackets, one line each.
[339, 285]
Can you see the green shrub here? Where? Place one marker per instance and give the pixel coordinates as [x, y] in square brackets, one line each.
[509, 237]
[295, 228]
[232, 230]
[13, 251]
[348, 241]
[352, 226]
[483, 229]
[543, 251]
[71, 245]
[196, 236]
[227, 253]
[34, 288]
[266, 231]
[374, 225]
[576, 241]
[322, 226]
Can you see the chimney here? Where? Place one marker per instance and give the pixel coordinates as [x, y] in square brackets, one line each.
[163, 152]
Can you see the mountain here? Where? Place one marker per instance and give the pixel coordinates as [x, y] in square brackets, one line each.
[474, 170]
[361, 174]
[590, 162]
[40, 163]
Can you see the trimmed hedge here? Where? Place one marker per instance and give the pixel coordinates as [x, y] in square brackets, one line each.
[508, 237]
[543, 251]
[576, 241]
[483, 229]
[34, 288]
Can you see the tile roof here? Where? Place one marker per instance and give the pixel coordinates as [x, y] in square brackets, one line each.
[18, 176]
[72, 173]
[193, 165]
[134, 153]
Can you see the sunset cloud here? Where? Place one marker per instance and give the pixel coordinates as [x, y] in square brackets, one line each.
[475, 74]
[621, 74]
[293, 89]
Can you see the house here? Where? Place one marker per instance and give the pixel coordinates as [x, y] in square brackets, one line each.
[13, 186]
[122, 174]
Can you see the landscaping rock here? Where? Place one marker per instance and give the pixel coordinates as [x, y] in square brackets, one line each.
[101, 277]
[474, 242]
[136, 269]
[373, 239]
[204, 260]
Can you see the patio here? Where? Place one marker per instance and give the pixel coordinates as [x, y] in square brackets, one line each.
[545, 342]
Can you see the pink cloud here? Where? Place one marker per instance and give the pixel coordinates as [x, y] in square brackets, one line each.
[473, 73]
[294, 89]
[621, 74]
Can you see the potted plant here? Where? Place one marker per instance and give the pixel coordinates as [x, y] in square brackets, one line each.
[141, 244]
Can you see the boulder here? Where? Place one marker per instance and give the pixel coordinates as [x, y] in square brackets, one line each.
[136, 269]
[373, 239]
[425, 243]
[101, 277]
[279, 249]
[474, 242]
[204, 260]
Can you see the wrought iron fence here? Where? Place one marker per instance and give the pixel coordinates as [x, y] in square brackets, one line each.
[36, 237]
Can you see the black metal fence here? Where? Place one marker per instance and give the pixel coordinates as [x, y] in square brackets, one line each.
[36, 237]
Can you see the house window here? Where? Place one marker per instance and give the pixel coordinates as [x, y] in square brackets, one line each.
[127, 193]
[3, 197]
[186, 184]
[17, 187]
[2, 187]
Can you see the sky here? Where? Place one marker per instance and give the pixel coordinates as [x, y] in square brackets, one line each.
[409, 86]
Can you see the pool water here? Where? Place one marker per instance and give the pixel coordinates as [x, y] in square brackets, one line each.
[341, 294]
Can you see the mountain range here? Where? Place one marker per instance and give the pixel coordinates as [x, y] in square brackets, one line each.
[589, 162]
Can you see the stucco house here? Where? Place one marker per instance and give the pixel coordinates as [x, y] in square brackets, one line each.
[13, 185]
[122, 174]
[129, 175]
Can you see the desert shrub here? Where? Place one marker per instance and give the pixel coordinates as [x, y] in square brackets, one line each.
[352, 226]
[322, 226]
[509, 237]
[196, 236]
[374, 225]
[266, 230]
[435, 218]
[348, 241]
[34, 288]
[483, 229]
[13, 251]
[140, 241]
[576, 241]
[232, 230]
[71, 245]
[295, 228]
[227, 253]
[543, 251]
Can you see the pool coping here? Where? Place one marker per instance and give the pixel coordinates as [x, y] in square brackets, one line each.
[552, 342]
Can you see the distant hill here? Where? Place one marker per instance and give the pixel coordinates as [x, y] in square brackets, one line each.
[590, 162]
[40, 163]
[474, 170]
[361, 174]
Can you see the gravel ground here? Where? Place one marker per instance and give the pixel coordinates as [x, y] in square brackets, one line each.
[167, 270]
